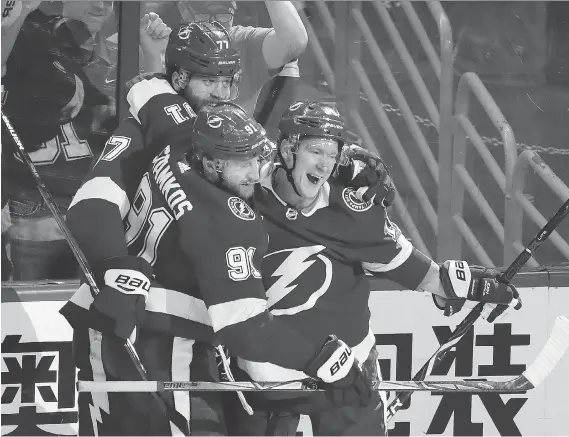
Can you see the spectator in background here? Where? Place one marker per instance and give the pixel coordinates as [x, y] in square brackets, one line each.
[59, 92]
[265, 52]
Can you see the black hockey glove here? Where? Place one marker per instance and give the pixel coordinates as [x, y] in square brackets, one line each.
[374, 174]
[462, 283]
[124, 285]
[336, 367]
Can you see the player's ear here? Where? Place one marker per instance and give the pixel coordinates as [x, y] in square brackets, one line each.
[286, 148]
[209, 165]
[177, 82]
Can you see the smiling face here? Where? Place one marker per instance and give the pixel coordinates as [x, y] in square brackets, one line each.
[315, 161]
[201, 91]
[240, 177]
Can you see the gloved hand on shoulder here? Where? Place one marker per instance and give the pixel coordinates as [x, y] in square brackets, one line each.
[365, 169]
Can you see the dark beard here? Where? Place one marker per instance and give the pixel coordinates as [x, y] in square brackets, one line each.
[195, 102]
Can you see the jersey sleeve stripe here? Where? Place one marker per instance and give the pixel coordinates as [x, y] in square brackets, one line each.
[82, 297]
[236, 311]
[167, 301]
[398, 260]
[103, 188]
[431, 282]
[160, 300]
[143, 91]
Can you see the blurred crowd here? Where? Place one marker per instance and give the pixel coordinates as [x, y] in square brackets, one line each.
[59, 87]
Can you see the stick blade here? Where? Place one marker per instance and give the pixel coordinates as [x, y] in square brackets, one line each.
[551, 354]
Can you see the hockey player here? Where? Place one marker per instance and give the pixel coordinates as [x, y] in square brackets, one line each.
[324, 240]
[204, 74]
[264, 50]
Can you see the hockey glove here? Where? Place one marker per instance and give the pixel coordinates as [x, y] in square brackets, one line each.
[462, 283]
[344, 382]
[365, 169]
[124, 286]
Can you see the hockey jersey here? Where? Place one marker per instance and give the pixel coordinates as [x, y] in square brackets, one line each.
[100, 206]
[60, 100]
[97, 216]
[315, 270]
[206, 246]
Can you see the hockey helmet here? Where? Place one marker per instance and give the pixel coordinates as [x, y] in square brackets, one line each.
[225, 131]
[202, 48]
[319, 119]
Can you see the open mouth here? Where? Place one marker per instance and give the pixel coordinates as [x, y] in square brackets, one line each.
[313, 179]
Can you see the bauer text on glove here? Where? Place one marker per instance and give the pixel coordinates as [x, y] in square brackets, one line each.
[125, 283]
[461, 283]
[336, 367]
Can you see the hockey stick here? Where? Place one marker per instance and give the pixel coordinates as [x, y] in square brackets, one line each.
[400, 399]
[553, 351]
[84, 265]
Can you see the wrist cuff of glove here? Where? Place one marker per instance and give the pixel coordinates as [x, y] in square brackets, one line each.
[448, 306]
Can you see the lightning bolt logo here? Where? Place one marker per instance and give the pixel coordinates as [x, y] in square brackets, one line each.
[95, 418]
[295, 264]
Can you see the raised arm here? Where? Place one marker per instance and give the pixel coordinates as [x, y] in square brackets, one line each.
[288, 39]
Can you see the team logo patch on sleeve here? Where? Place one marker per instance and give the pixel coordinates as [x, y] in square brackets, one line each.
[240, 208]
[354, 201]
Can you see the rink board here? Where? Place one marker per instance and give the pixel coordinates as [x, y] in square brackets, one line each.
[38, 379]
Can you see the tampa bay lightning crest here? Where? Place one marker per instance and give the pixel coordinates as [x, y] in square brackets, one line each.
[240, 208]
[353, 199]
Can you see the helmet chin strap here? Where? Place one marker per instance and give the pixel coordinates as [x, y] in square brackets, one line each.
[288, 171]
[289, 175]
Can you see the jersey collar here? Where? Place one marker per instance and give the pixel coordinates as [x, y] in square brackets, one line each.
[322, 201]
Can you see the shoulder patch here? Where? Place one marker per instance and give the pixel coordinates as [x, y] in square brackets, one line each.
[354, 201]
[240, 209]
